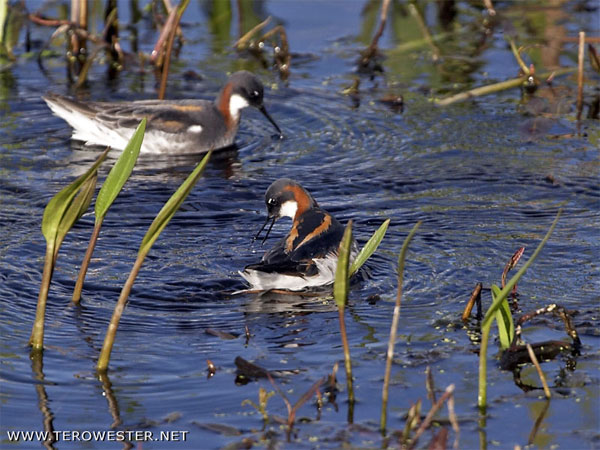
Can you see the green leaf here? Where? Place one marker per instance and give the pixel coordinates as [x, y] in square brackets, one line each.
[340, 285]
[56, 207]
[369, 248]
[503, 294]
[403, 251]
[76, 209]
[506, 327]
[172, 205]
[119, 173]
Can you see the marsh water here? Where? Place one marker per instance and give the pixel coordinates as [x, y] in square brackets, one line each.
[485, 177]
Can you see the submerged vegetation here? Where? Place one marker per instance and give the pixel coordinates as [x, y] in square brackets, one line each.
[84, 49]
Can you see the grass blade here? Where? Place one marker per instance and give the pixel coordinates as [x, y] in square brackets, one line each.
[159, 223]
[506, 327]
[119, 173]
[75, 210]
[369, 248]
[340, 286]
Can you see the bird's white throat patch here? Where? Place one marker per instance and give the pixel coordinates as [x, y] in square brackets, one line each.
[236, 104]
[288, 209]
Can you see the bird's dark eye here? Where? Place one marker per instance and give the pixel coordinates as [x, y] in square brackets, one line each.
[272, 201]
[254, 94]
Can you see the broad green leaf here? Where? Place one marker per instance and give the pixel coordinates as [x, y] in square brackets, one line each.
[56, 207]
[119, 173]
[340, 285]
[172, 205]
[503, 294]
[76, 209]
[506, 327]
[369, 248]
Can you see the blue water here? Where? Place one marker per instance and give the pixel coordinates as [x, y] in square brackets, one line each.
[485, 177]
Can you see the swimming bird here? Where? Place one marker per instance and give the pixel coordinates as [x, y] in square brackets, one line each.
[307, 256]
[174, 126]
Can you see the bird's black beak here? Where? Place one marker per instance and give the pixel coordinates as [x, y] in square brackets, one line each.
[263, 110]
[263, 227]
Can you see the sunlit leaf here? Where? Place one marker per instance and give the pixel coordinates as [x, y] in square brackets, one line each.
[506, 327]
[172, 205]
[369, 248]
[56, 207]
[340, 286]
[76, 209]
[119, 173]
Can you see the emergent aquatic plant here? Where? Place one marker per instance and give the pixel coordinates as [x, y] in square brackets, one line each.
[61, 212]
[159, 223]
[340, 294]
[500, 296]
[113, 184]
[394, 327]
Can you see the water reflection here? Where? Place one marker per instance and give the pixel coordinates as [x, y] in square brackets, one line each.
[37, 367]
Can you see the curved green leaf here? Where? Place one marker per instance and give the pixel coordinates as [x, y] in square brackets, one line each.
[172, 205]
[340, 285]
[76, 209]
[119, 173]
[369, 248]
[506, 326]
[56, 207]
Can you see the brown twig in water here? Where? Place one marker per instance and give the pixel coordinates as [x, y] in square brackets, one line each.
[177, 13]
[434, 409]
[512, 262]
[580, 57]
[475, 297]
[539, 370]
[496, 87]
[429, 385]
[49, 22]
[371, 51]
[242, 42]
[517, 54]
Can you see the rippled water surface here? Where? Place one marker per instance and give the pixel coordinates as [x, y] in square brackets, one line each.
[485, 177]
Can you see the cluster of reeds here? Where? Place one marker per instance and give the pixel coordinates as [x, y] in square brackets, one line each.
[66, 207]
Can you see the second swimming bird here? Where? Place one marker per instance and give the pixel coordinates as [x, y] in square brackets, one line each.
[173, 127]
[307, 256]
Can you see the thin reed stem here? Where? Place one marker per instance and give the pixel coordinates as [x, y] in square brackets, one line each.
[580, 57]
[109, 340]
[36, 341]
[535, 362]
[86, 262]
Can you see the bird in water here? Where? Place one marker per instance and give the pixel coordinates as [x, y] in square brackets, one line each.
[307, 256]
[173, 126]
